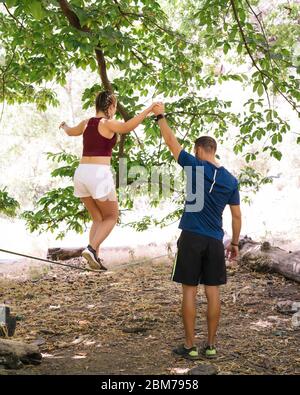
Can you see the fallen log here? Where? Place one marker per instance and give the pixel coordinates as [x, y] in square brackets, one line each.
[62, 254]
[13, 354]
[255, 256]
[262, 257]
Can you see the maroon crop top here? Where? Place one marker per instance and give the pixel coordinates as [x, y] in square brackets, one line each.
[94, 144]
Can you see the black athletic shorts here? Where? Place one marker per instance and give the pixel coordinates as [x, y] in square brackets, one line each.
[199, 260]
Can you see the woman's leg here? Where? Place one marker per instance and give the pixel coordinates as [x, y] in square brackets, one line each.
[96, 216]
[109, 211]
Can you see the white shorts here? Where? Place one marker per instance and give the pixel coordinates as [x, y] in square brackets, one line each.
[93, 180]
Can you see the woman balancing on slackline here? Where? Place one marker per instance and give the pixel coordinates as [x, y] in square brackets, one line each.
[93, 179]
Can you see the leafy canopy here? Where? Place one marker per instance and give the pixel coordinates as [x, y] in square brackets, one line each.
[141, 49]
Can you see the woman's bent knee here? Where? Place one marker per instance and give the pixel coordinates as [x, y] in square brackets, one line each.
[97, 222]
[115, 218]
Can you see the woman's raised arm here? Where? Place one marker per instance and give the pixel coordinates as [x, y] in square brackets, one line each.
[128, 126]
[76, 130]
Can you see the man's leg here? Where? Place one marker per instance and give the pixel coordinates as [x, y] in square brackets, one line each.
[213, 312]
[189, 313]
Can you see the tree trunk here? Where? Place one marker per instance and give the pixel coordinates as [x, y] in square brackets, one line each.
[263, 257]
[75, 22]
[14, 354]
[62, 254]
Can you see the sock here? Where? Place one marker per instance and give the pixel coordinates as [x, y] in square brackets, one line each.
[91, 248]
[187, 348]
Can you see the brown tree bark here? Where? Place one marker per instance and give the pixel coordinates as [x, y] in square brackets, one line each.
[265, 258]
[75, 22]
[14, 354]
[63, 254]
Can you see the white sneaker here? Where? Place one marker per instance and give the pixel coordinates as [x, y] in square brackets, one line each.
[90, 255]
[102, 267]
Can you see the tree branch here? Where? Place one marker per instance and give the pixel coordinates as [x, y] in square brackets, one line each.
[72, 17]
[148, 66]
[151, 21]
[75, 22]
[261, 25]
[18, 22]
[199, 114]
[3, 97]
[262, 72]
[249, 51]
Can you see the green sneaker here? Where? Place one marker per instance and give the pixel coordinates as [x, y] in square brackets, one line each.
[209, 351]
[188, 353]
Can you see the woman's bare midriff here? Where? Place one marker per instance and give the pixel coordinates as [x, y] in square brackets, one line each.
[100, 160]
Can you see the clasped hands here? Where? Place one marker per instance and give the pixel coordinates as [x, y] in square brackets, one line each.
[157, 108]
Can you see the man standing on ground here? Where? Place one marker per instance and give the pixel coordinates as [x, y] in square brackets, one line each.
[200, 257]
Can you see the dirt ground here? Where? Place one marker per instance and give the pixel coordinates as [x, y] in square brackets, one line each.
[127, 322]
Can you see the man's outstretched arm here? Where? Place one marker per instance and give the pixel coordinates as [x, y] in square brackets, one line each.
[167, 133]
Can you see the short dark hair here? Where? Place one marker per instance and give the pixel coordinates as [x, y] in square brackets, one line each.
[207, 143]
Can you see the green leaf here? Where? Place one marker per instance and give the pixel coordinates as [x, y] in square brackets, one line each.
[240, 48]
[269, 116]
[9, 3]
[260, 89]
[8, 205]
[278, 155]
[36, 9]
[226, 48]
